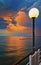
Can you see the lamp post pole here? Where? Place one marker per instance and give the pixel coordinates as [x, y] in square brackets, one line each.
[33, 33]
[33, 13]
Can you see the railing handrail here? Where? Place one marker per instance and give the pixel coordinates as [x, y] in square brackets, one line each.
[19, 61]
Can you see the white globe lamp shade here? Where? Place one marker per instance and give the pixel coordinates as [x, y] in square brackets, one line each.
[33, 13]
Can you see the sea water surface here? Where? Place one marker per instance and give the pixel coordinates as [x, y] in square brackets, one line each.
[12, 48]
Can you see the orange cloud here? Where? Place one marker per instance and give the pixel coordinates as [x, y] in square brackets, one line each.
[8, 19]
[8, 16]
[21, 17]
[5, 31]
[18, 28]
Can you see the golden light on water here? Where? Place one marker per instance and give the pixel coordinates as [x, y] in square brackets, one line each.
[34, 12]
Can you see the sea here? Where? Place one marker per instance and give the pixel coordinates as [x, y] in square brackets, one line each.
[13, 48]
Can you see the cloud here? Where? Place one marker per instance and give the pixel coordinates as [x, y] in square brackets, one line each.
[14, 22]
[23, 19]
[8, 16]
[3, 24]
[5, 32]
[18, 28]
[15, 14]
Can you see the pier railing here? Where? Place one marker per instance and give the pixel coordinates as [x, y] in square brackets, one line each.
[35, 58]
[29, 55]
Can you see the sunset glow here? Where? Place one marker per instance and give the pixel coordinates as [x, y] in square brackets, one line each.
[16, 19]
[20, 30]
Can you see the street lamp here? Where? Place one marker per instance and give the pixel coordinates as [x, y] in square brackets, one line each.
[33, 13]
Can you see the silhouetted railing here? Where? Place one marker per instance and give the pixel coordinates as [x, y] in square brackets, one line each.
[19, 61]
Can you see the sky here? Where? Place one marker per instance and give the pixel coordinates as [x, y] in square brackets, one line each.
[14, 18]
